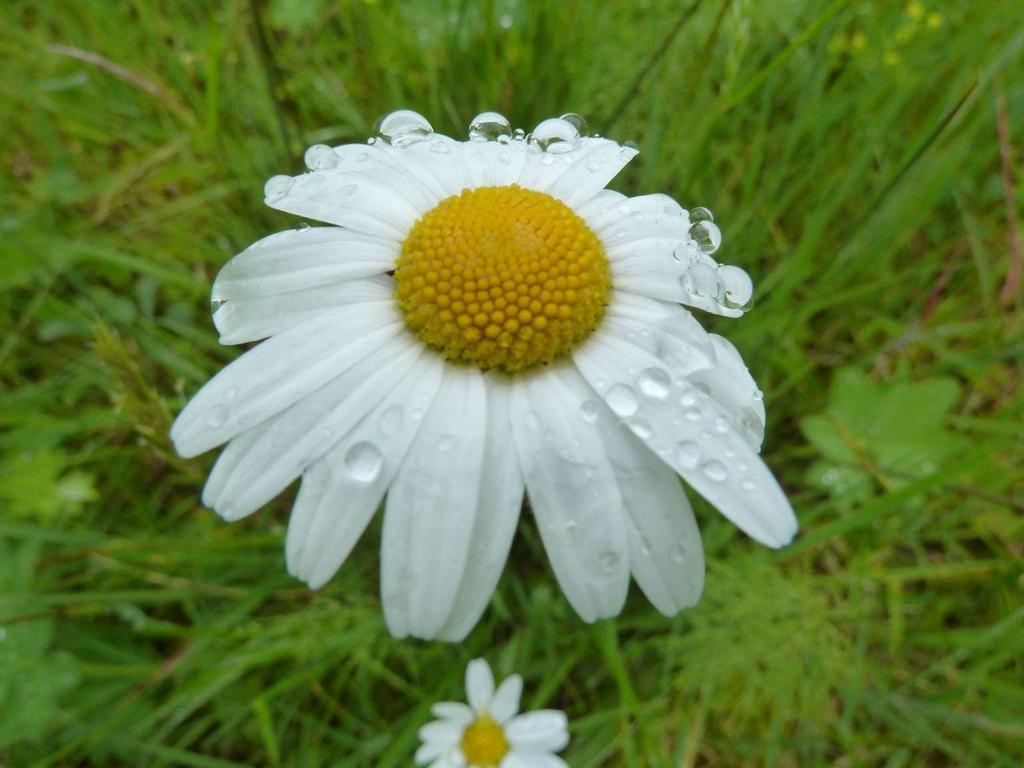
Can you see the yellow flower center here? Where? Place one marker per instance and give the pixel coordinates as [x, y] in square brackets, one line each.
[502, 277]
[484, 743]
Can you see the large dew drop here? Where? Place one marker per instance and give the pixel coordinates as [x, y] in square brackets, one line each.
[654, 383]
[706, 235]
[715, 470]
[700, 280]
[402, 128]
[363, 462]
[216, 416]
[589, 411]
[321, 157]
[622, 400]
[688, 454]
[555, 135]
[701, 214]
[277, 186]
[577, 121]
[490, 126]
[737, 287]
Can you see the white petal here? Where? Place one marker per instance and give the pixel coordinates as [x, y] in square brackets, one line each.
[256, 317]
[497, 513]
[456, 711]
[639, 219]
[430, 509]
[575, 177]
[665, 269]
[436, 165]
[544, 729]
[441, 732]
[341, 492]
[505, 703]
[479, 685]
[402, 169]
[730, 383]
[492, 164]
[429, 752]
[281, 370]
[711, 362]
[598, 204]
[302, 258]
[297, 437]
[572, 491]
[532, 759]
[674, 337]
[693, 434]
[666, 554]
[377, 205]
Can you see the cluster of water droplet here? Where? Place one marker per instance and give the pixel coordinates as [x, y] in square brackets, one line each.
[654, 385]
[702, 277]
[557, 138]
[554, 136]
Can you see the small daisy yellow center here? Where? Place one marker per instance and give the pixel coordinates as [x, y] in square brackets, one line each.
[502, 277]
[484, 743]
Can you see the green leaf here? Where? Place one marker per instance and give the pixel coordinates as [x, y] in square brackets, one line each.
[880, 433]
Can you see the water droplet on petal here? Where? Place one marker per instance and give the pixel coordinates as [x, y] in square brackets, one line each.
[348, 190]
[440, 147]
[701, 214]
[630, 145]
[655, 383]
[622, 400]
[555, 135]
[391, 420]
[608, 560]
[576, 121]
[363, 462]
[688, 454]
[445, 444]
[572, 531]
[747, 484]
[277, 186]
[593, 166]
[320, 157]
[737, 287]
[721, 425]
[707, 235]
[402, 128]
[692, 413]
[216, 416]
[589, 411]
[679, 553]
[489, 126]
[641, 428]
[750, 423]
[701, 280]
[715, 470]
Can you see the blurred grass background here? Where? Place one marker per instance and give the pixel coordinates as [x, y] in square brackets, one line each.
[859, 158]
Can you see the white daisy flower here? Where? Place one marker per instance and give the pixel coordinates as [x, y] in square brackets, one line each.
[483, 320]
[488, 733]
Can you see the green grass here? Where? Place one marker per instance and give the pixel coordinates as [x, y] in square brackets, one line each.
[850, 151]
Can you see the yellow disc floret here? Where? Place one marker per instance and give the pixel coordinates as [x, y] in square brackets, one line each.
[484, 743]
[502, 277]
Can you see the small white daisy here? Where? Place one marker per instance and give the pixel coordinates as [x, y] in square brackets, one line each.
[485, 320]
[489, 733]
